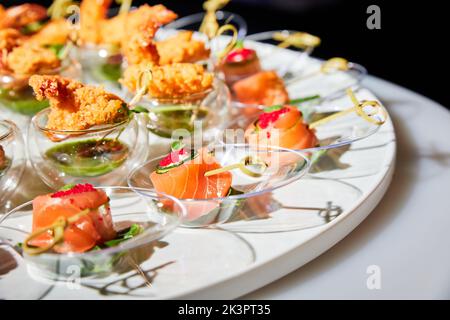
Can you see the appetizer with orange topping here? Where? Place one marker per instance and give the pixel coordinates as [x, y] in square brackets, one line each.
[281, 126]
[263, 88]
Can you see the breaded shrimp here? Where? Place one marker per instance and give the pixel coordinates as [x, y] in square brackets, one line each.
[158, 14]
[75, 106]
[177, 80]
[112, 31]
[262, 88]
[9, 39]
[181, 48]
[19, 16]
[140, 47]
[92, 13]
[26, 60]
[54, 32]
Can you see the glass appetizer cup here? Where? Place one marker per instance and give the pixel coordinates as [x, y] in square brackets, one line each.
[193, 22]
[155, 217]
[205, 113]
[101, 64]
[12, 161]
[283, 166]
[17, 97]
[102, 155]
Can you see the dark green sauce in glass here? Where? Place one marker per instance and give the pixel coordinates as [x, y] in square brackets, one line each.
[88, 158]
[22, 101]
[163, 123]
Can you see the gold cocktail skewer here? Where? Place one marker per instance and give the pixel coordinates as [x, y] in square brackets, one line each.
[358, 107]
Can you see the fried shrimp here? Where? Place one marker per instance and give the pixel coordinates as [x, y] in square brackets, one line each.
[181, 48]
[9, 39]
[170, 81]
[92, 14]
[19, 16]
[141, 26]
[54, 32]
[140, 46]
[75, 106]
[26, 60]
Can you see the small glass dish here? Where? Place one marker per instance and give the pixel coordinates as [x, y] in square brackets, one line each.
[340, 132]
[204, 113]
[102, 155]
[283, 167]
[12, 161]
[193, 22]
[101, 64]
[157, 217]
[17, 100]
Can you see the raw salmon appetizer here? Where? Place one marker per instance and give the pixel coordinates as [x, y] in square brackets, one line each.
[240, 63]
[263, 88]
[182, 174]
[87, 231]
[281, 127]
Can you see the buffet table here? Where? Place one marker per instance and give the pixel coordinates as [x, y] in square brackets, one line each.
[405, 239]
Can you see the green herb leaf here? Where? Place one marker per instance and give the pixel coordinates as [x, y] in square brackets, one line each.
[272, 108]
[131, 232]
[67, 187]
[57, 49]
[177, 145]
[32, 27]
[139, 109]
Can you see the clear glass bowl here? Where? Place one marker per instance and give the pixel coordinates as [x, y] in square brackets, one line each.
[284, 167]
[12, 161]
[203, 114]
[17, 100]
[157, 216]
[102, 155]
[101, 64]
[193, 22]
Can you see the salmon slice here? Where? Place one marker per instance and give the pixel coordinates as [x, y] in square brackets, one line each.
[188, 181]
[263, 88]
[94, 228]
[283, 128]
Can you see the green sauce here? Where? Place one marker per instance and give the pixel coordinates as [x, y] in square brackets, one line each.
[108, 71]
[22, 101]
[164, 120]
[88, 158]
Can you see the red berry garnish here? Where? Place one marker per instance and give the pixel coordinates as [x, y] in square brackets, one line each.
[267, 118]
[173, 157]
[241, 55]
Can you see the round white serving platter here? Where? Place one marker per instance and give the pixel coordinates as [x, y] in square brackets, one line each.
[240, 257]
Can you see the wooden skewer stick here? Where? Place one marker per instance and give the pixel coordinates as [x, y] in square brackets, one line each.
[358, 107]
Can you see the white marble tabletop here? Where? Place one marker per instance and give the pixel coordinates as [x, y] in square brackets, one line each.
[401, 251]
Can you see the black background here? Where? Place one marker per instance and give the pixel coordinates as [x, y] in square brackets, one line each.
[410, 49]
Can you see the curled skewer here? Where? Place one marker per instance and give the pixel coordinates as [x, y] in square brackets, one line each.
[57, 231]
[300, 40]
[59, 9]
[143, 82]
[331, 66]
[230, 45]
[125, 6]
[209, 25]
[360, 109]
